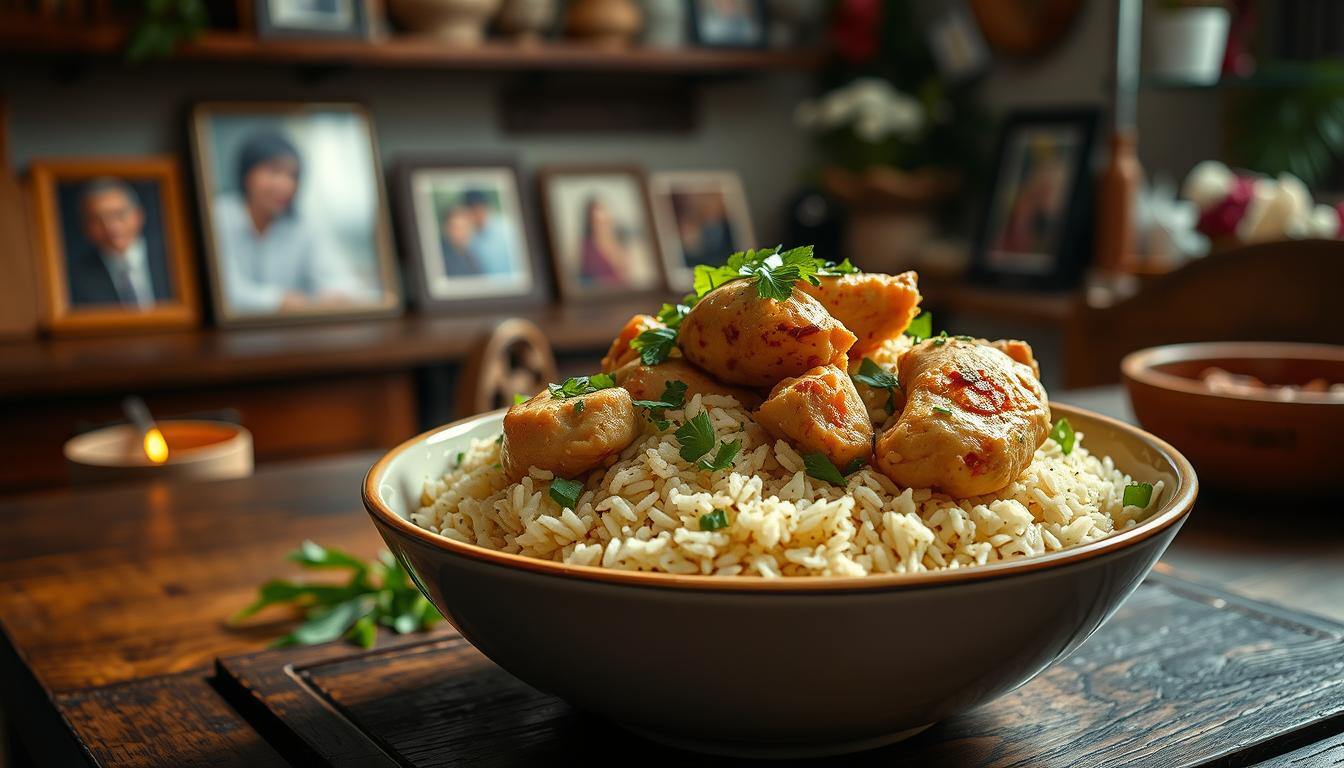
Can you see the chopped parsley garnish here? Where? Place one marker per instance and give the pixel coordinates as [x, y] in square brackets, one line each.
[654, 345]
[566, 492]
[696, 437]
[877, 377]
[460, 457]
[519, 398]
[773, 271]
[723, 458]
[832, 269]
[714, 520]
[1138, 495]
[1064, 435]
[578, 406]
[940, 339]
[921, 327]
[963, 337]
[822, 468]
[942, 410]
[581, 385]
[674, 396]
[671, 315]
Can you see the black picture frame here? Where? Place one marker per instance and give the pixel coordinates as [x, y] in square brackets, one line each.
[698, 19]
[1007, 260]
[269, 27]
[410, 239]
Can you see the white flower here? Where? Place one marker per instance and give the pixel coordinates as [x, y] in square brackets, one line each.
[871, 106]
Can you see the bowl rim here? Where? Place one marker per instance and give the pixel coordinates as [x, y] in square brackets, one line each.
[1139, 366]
[1178, 505]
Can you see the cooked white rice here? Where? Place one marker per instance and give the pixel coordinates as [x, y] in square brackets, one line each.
[643, 511]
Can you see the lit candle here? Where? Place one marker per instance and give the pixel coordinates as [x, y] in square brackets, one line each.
[168, 450]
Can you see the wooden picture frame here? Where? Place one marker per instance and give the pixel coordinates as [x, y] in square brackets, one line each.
[638, 271]
[271, 23]
[361, 267]
[79, 294]
[666, 192]
[420, 184]
[1035, 224]
[707, 35]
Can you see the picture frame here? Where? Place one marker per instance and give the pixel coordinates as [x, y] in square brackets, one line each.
[702, 217]
[429, 195]
[345, 19]
[737, 24]
[1034, 227]
[600, 230]
[311, 174]
[91, 215]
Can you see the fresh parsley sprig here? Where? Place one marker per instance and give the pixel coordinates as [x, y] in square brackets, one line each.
[696, 437]
[674, 396]
[772, 270]
[921, 327]
[723, 458]
[1063, 434]
[578, 386]
[877, 377]
[819, 466]
[654, 345]
[378, 593]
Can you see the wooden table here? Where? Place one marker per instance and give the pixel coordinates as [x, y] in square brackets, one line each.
[112, 602]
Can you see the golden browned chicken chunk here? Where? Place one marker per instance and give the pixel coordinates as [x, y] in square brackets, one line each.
[972, 421]
[568, 439]
[620, 352]
[647, 382]
[1019, 351]
[741, 338]
[820, 412]
[873, 306]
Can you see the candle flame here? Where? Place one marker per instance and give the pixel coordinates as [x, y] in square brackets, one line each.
[156, 448]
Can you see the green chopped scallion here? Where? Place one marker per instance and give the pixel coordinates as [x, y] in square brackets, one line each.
[714, 520]
[566, 492]
[1138, 495]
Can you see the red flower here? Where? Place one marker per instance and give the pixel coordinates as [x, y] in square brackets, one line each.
[1222, 217]
[854, 29]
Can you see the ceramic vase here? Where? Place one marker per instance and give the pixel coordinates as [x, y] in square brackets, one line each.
[526, 21]
[1185, 45]
[665, 23]
[459, 22]
[604, 23]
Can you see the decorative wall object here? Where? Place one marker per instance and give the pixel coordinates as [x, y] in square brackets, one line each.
[296, 18]
[113, 245]
[465, 231]
[666, 23]
[702, 218]
[729, 23]
[1185, 44]
[605, 23]
[526, 21]
[293, 213]
[459, 22]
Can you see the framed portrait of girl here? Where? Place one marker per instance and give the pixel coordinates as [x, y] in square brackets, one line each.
[601, 232]
[293, 212]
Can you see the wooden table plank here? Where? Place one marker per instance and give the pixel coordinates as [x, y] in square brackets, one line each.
[1327, 753]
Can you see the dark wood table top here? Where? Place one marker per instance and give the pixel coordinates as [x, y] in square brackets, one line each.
[112, 601]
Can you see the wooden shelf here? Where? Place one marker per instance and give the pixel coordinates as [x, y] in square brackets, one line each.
[45, 368]
[412, 53]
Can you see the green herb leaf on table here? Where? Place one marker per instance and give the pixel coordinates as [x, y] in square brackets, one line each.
[921, 327]
[1138, 495]
[566, 492]
[723, 458]
[696, 437]
[1063, 434]
[714, 520]
[654, 345]
[877, 377]
[820, 467]
[378, 592]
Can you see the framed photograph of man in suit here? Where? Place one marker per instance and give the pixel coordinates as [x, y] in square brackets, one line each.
[114, 249]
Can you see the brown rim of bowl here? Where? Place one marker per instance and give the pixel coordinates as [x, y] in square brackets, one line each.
[1180, 502]
[1139, 366]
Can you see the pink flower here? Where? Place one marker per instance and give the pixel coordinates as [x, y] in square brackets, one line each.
[1221, 218]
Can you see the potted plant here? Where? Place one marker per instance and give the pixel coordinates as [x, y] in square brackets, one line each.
[1186, 41]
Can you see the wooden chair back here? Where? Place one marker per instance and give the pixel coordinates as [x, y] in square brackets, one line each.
[512, 359]
[1285, 291]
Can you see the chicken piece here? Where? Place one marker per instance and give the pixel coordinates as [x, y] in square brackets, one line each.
[620, 352]
[1019, 351]
[820, 412]
[973, 419]
[556, 434]
[647, 382]
[873, 306]
[741, 338]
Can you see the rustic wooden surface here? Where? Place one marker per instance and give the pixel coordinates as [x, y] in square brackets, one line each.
[128, 585]
[1179, 675]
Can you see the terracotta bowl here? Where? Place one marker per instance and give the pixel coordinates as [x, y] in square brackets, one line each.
[785, 667]
[1244, 443]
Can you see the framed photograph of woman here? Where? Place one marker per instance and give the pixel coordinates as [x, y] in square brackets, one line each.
[311, 18]
[293, 212]
[729, 23]
[1034, 230]
[702, 217]
[466, 235]
[601, 231]
[113, 244]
